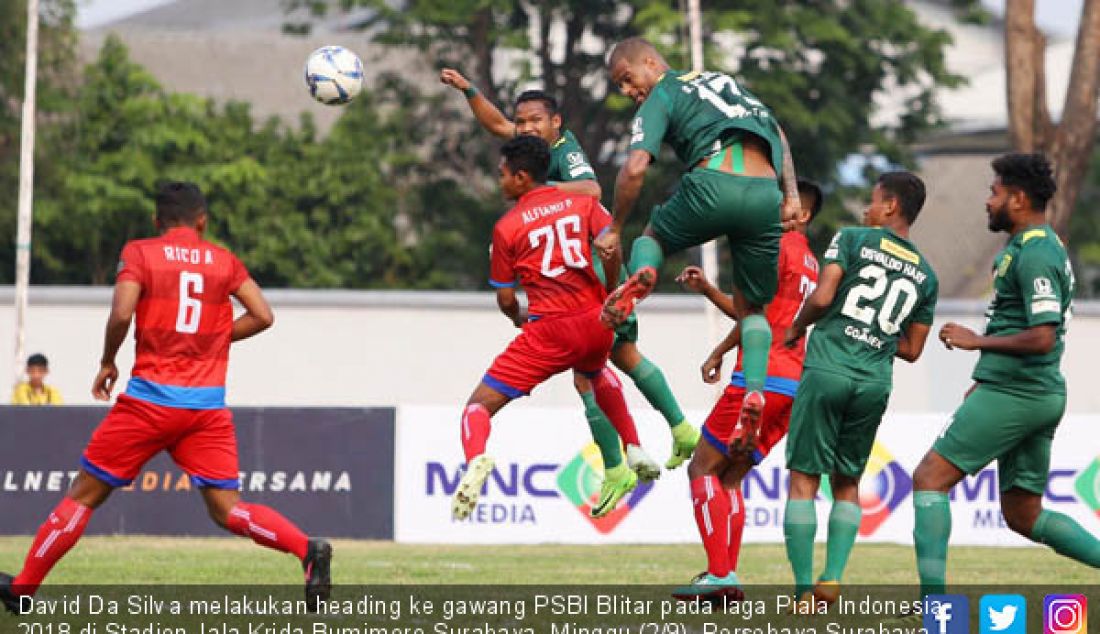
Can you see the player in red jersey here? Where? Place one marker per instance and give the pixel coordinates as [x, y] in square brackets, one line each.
[543, 243]
[732, 446]
[180, 286]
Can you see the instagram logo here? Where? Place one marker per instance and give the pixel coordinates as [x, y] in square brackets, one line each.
[1065, 614]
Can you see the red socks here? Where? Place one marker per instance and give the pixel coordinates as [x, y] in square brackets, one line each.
[267, 528]
[712, 514]
[609, 396]
[55, 537]
[737, 524]
[475, 430]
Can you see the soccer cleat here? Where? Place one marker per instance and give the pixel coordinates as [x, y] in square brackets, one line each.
[7, 594]
[708, 586]
[640, 463]
[318, 568]
[744, 436]
[469, 488]
[826, 592]
[684, 439]
[617, 482]
[620, 303]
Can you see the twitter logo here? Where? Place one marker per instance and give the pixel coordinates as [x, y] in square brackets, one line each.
[1003, 614]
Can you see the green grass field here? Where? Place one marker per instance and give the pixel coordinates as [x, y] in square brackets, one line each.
[151, 560]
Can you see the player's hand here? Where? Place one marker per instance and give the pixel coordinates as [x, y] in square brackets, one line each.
[712, 369]
[693, 279]
[105, 381]
[453, 78]
[793, 335]
[957, 336]
[608, 243]
[790, 213]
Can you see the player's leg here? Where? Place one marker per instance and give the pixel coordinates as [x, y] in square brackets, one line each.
[609, 400]
[485, 401]
[812, 450]
[619, 479]
[651, 382]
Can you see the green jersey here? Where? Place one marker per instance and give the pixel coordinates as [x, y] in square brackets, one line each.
[887, 285]
[1032, 286]
[568, 161]
[699, 113]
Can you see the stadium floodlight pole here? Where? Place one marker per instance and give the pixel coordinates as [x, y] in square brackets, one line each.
[26, 188]
[710, 249]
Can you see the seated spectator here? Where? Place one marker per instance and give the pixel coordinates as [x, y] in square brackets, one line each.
[35, 391]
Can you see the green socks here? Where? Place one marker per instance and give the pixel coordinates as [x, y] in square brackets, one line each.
[651, 382]
[756, 341]
[931, 530]
[844, 522]
[645, 252]
[1066, 537]
[799, 528]
[602, 432]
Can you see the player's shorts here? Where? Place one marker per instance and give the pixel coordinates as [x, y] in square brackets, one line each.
[1015, 429]
[202, 442]
[547, 346]
[724, 415]
[833, 423]
[710, 204]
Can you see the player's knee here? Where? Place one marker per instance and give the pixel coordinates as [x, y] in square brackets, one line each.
[1021, 512]
[930, 474]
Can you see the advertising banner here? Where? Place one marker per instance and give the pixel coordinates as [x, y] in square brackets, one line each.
[548, 472]
[329, 470]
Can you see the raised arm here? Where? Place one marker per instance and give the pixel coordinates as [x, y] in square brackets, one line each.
[692, 278]
[792, 206]
[712, 367]
[488, 115]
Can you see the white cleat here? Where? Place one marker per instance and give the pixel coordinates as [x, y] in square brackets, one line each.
[640, 463]
[469, 488]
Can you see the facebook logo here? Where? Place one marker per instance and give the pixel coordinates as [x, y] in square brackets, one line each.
[1003, 614]
[946, 614]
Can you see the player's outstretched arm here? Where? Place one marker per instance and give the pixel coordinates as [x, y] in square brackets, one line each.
[628, 185]
[712, 367]
[692, 278]
[123, 303]
[257, 315]
[911, 342]
[509, 305]
[490, 118]
[816, 305]
[1039, 339]
[792, 205]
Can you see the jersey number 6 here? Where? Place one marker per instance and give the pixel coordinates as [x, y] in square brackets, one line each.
[187, 320]
[572, 249]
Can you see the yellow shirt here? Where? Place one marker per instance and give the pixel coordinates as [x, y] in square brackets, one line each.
[24, 394]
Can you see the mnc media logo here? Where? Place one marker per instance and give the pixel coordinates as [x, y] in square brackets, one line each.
[1088, 486]
[883, 488]
[580, 481]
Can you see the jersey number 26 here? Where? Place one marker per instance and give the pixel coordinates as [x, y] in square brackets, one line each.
[566, 233]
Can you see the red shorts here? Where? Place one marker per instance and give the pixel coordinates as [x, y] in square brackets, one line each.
[547, 346]
[202, 442]
[773, 424]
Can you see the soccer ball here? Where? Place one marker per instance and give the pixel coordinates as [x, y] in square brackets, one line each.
[334, 75]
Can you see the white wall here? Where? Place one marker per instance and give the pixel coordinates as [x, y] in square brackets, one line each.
[390, 348]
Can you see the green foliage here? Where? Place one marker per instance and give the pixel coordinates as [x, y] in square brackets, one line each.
[1084, 233]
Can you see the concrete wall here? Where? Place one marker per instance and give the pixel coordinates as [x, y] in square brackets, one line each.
[347, 348]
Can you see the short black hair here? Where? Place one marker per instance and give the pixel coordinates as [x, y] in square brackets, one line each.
[908, 189]
[539, 95]
[38, 360]
[529, 154]
[809, 187]
[1031, 173]
[179, 203]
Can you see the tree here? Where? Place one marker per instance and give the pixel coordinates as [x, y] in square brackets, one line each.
[1070, 143]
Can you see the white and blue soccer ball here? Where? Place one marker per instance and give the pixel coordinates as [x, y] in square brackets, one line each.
[334, 75]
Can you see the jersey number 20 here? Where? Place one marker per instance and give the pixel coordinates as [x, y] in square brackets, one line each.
[187, 319]
[890, 315]
[572, 248]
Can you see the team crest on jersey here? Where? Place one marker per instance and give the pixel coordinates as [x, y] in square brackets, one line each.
[1043, 287]
[575, 158]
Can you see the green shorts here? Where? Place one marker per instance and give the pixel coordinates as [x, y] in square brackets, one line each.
[627, 332]
[710, 204]
[833, 423]
[1014, 429]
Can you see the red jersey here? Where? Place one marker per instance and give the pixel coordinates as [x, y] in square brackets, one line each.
[184, 318]
[798, 270]
[544, 242]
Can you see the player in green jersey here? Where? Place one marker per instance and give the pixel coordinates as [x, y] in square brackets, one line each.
[536, 113]
[735, 153]
[1019, 395]
[874, 300]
